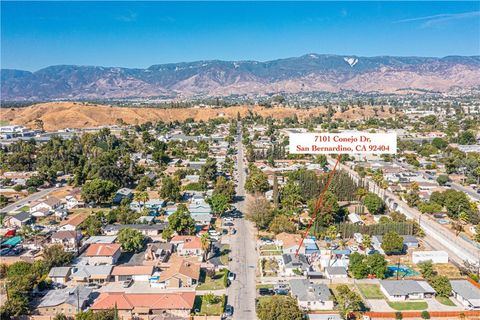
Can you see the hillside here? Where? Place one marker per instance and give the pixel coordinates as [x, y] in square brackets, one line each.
[61, 115]
[311, 72]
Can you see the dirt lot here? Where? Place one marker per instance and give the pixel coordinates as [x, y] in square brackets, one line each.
[61, 115]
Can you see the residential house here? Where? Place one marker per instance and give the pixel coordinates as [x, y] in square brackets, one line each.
[159, 251]
[176, 305]
[466, 293]
[137, 273]
[18, 220]
[355, 218]
[198, 206]
[401, 290]
[72, 202]
[45, 207]
[70, 240]
[188, 246]
[202, 219]
[408, 242]
[181, 274]
[123, 193]
[293, 264]
[66, 301]
[290, 242]
[311, 296]
[100, 253]
[88, 273]
[149, 230]
[60, 274]
[74, 222]
[336, 273]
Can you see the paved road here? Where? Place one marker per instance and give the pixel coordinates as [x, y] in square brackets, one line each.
[437, 236]
[241, 293]
[22, 202]
[469, 191]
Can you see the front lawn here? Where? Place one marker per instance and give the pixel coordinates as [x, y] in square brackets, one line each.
[203, 308]
[224, 254]
[211, 283]
[411, 305]
[445, 301]
[371, 291]
[266, 286]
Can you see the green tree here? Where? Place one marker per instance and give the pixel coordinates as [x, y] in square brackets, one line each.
[256, 181]
[180, 222]
[443, 179]
[206, 242]
[281, 223]
[170, 190]
[466, 137]
[141, 197]
[442, 285]
[260, 212]
[209, 169]
[55, 256]
[131, 240]
[426, 268]
[374, 203]
[348, 301]
[425, 314]
[279, 308]
[220, 203]
[392, 243]
[98, 191]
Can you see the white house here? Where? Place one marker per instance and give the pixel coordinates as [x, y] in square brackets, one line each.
[137, 273]
[466, 293]
[401, 290]
[311, 296]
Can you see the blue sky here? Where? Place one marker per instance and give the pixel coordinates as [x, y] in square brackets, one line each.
[38, 34]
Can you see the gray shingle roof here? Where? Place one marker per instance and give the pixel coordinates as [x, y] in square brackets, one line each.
[68, 295]
[292, 261]
[22, 216]
[59, 272]
[405, 287]
[304, 290]
[465, 289]
[336, 271]
[87, 271]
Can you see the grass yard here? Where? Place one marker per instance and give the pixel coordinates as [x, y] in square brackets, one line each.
[267, 286]
[211, 283]
[224, 254]
[371, 291]
[203, 308]
[411, 305]
[445, 301]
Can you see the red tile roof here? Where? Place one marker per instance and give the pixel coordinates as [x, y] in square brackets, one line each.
[102, 249]
[189, 242]
[152, 301]
[132, 270]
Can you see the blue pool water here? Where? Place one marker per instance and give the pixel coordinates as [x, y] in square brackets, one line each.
[403, 271]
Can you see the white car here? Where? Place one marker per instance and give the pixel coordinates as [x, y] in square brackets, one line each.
[231, 276]
[230, 219]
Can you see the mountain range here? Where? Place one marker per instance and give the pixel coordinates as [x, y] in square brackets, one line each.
[308, 73]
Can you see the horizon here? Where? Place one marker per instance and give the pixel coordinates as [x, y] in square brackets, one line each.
[139, 35]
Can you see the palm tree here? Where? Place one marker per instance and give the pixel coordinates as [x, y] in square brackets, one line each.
[205, 241]
[141, 197]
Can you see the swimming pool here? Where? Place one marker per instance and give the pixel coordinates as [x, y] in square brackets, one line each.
[403, 271]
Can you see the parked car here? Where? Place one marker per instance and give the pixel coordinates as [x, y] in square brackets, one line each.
[228, 310]
[4, 251]
[92, 285]
[127, 283]
[233, 231]
[266, 292]
[231, 276]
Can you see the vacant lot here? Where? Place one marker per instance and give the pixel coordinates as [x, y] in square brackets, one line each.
[204, 308]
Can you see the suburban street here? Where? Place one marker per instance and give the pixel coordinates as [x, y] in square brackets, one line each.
[241, 293]
[22, 202]
[437, 236]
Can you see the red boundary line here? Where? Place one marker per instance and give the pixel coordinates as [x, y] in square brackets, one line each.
[318, 205]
